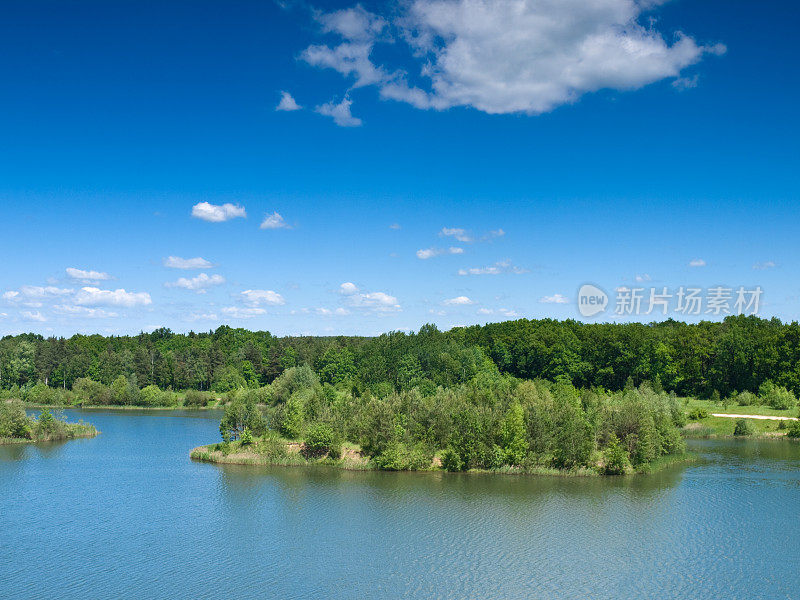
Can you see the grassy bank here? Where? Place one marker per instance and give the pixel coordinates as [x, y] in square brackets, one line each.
[710, 426]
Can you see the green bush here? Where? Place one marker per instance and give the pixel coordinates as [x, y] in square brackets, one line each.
[743, 427]
[794, 430]
[615, 458]
[321, 440]
[698, 413]
[246, 437]
[747, 399]
[776, 396]
[196, 399]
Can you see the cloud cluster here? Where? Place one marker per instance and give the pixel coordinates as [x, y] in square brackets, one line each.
[503, 266]
[259, 297]
[379, 302]
[197, 284]
[426, 253]
[515, 56]
[92, 296]
[217, 213]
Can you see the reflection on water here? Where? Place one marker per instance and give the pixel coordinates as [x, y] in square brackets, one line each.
[128, 515]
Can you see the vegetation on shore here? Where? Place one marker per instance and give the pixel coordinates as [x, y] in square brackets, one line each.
[17, 427]
[495, 422]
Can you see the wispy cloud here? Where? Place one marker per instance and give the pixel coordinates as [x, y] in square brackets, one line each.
[86, 276]
[426, 253]
[274, 221]
[197, 284]
[762, 266]
[92, 296]
[503, 266]
[458, 301]
[176, 262]
[697, 262]
[380, 302]
[554, 299]
[458, 233]
[237, 312]
[217, 213]
[340, 113]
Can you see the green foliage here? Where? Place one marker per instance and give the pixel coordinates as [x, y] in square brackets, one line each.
[246, 438]
[291, 424]
[698, 413]
[14, 423]
[240, 416]
[615, 458]
[397, 456]
[321, 440]
[794, 430]
[743, 427]
[513, 441]
[776, 396]
[195, 399]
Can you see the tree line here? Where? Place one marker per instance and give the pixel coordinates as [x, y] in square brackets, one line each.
[739, 354]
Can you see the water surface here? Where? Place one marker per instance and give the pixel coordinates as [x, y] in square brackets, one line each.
[128, 515]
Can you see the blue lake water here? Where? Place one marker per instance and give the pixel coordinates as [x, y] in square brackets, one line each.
[128, 515]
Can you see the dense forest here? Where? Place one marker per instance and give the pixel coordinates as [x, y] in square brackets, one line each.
[736, 355]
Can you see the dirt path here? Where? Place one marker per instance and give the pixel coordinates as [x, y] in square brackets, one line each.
[767, 417]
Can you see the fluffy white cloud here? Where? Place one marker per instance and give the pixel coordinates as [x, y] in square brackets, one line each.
[697, 262]
[348, 288]
[36, 292]
[340, 113]
[554, 299]
[503, 266]
[176, 262]
[460, 234]
[87, 276]
[274, 221]
[198, 284]
[458, 301]
[527, 56]
[372, 301]
[258, 297]
[217, 213]
[237, 312]
[92, 296]
[426, 253]
[287, 103]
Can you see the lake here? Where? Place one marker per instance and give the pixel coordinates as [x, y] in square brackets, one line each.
[128, 515]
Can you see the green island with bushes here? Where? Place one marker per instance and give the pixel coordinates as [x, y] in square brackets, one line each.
[16, 427]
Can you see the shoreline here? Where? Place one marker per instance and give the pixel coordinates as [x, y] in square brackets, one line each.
[353, 460]
[84, 435]
[117, 407]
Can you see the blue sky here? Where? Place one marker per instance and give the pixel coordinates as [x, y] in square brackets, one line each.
[562, 142]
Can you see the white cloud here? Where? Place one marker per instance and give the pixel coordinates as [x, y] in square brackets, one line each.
[458, 301]
[217, 213]
[764, 265]
[697, 262]
[395, 226]
[176, 262]
[373, 301]
[237, 312]
[274, 221]
[460, 234]
[340, 113]
[485, 311]
[554, 299]
[92, 296]
[258, 297]
[503, 266]
[642, 278]
[83, 311]
[507, 57]
[287, 103]
[198, 284]
[348, 288]
[426, 253]
[36, 292]
[30, 315]
[686, 83]
[87, 276]
[201, 317]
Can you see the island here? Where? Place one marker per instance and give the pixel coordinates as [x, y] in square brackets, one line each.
[16, 427]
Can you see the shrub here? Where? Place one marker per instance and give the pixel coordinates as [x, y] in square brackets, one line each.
[321, 440]
[246, 437]
[451, 461]
[196, 399]
[747, 399]
[743, 427]
[794, 429]
[615, 458]
[698, 413]
[14, 423]
[776, 396]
